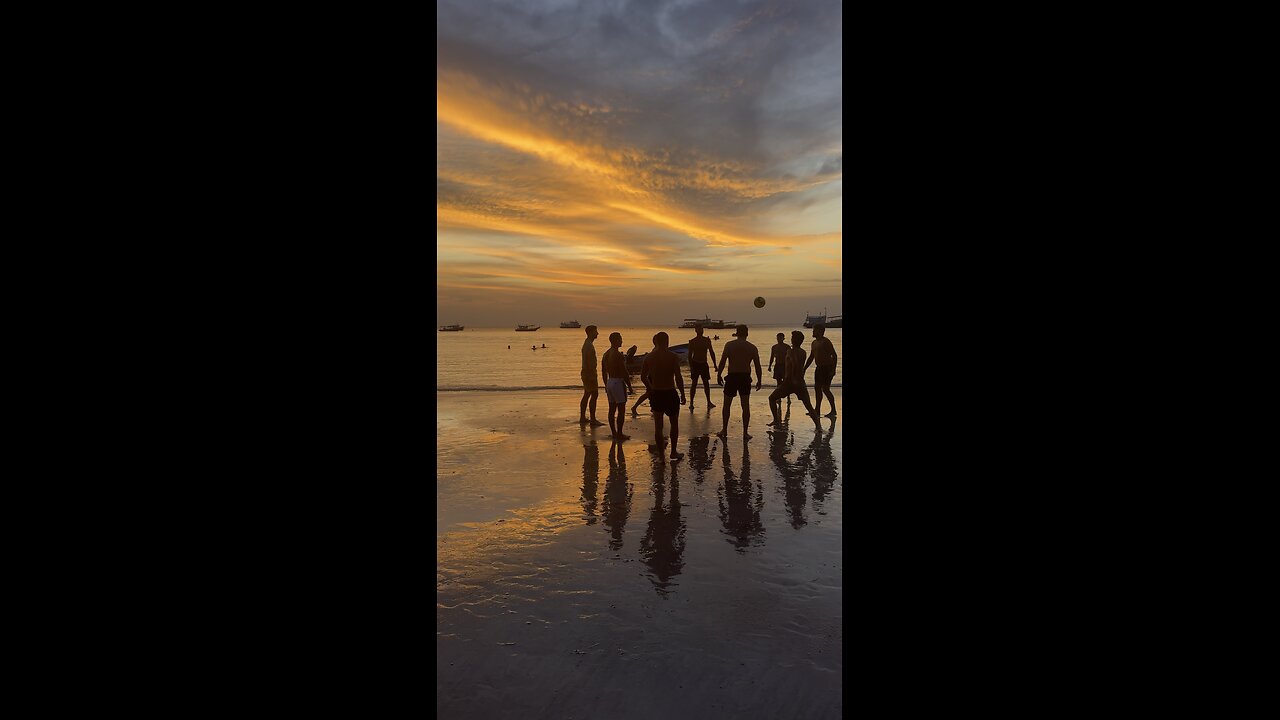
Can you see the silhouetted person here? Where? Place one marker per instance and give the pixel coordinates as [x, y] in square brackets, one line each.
[740, 503]
[779, 353]
[616, 383]
[544, 344]
[661, 373]
[662, 546]
[740, 355]
[824, 356]
[617, 496]
[699, 346]
[590, 389]
[793, 382]
[590, 480]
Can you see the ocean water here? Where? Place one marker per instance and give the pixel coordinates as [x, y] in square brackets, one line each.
[478, 358]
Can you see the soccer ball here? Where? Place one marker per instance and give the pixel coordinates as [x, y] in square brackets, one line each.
[759, 302]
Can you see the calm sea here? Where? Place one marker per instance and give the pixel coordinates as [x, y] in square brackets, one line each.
[478, 358]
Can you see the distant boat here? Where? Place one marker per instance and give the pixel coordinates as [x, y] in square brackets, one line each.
[571, 324]
[527, 328]
[835, 321]
[707, 322]
[450, 328]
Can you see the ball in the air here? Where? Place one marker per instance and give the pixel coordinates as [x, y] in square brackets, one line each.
[759, 302]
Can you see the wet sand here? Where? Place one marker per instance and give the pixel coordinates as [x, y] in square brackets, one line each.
[579, 578]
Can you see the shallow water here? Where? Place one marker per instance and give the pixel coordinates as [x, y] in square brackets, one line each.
[478, 358]
[577, 577]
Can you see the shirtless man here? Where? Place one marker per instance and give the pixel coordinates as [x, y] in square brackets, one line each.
[698, 368]
[590, 390]
[779, 353]
[616, 383]
[793, 382]
[661, 374]
[824, 356]
[740, 355]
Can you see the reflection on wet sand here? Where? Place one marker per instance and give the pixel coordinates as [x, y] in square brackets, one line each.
[590, 480]
[700, 450]
[824, 466]
[617, 496]
[740, 503]
[662, 547]
[781, 442]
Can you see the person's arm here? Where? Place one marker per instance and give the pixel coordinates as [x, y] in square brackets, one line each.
[711, 350]
[720, 368]
[644, 372]
[809, 362]
[679, 381]
[773, 353]
[755, 358]
[832, 345]
[604, 368]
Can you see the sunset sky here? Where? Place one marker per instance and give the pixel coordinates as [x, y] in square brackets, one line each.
[637, 162]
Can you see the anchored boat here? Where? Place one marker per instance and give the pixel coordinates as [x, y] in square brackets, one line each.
[571, 324]
[527, 328]
[450, 328]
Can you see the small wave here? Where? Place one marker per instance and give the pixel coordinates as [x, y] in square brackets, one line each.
[639, 388]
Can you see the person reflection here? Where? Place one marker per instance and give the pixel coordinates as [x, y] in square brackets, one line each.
[590, 481]
[825, 472]
[740, 503]
[662, 547]
[700, 449]
[617, 496]
[781, 442]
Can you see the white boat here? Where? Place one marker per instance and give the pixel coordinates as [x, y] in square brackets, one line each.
[571, 324]
[634, 361]
[527, 328]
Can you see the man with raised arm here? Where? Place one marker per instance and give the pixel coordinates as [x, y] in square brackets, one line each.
[740, 355]
[661, 373]
[698, 368]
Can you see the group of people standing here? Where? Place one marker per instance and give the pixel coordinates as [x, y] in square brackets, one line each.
[662, 378]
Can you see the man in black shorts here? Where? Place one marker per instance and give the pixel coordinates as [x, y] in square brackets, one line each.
[740, 355]
[793, 382]
[822, 354]
[698, 348]
[661, 374]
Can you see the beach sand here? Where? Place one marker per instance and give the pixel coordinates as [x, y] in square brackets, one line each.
[578, 578]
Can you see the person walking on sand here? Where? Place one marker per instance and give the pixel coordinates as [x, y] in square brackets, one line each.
[590, 390]
[740, 355]
[793, 382]
[698, 348]
[661, 374]
[823, 354]
[616, 383]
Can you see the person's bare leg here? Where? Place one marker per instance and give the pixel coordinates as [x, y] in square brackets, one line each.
[775, 407]
[594, 421]
[831, 399]
[693, 390]
[724, 414]
[622, 416]
[639, 400]
[817, 407]
[803, 392]
[582, 408]
[657, 433]
[706, 389]
[746, 415]
[675, 436]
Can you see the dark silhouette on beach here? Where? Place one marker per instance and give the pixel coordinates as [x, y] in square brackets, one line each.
[781, 443]
[792, 383]
[617, 383]
[662, 547]
[590, 388]
[777, 360]
[700, 450]
[617, 496]
[740, 503]
[823, 354]
[824, 469]
[699, 347]
[740, 356]
[661, 375]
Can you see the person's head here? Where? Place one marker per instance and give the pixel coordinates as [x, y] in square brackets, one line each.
[819, 330]
[661, 340]
[797, 337]
[615, 339]
[592, 333]
[698, 329]
[740, 331]
[781, 338]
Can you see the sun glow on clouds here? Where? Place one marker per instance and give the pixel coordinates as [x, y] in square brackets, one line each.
[553, 184]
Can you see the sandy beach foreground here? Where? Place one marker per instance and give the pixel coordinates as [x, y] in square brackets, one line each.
[580, 578]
